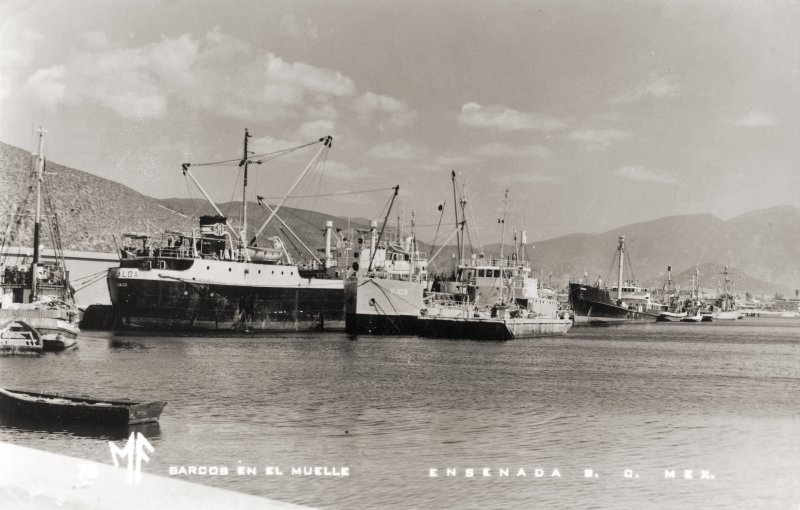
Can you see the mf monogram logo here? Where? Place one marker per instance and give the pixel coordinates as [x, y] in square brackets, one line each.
[134, 451]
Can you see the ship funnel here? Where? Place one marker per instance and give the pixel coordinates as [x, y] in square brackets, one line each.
[212, 232]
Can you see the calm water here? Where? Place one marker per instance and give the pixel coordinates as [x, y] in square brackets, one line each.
[720, 397]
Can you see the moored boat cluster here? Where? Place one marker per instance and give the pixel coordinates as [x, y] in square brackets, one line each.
[226, 276]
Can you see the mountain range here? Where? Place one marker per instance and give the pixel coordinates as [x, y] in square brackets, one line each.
[761, 248]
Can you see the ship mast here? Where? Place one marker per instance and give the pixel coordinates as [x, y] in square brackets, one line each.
[455, 208]
[697, 282]
[38, 224]
[245, 162]
[412, 266]
[502, 241]
[621, 267]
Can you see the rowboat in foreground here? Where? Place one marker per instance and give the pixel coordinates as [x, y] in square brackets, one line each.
[18, 337]
[77, 409]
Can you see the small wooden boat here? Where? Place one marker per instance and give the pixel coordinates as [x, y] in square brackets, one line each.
[18, 337]
[77, 409]
[696, 316]
[671, 316]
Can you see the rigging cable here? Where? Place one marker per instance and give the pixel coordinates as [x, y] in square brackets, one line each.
[274, 154]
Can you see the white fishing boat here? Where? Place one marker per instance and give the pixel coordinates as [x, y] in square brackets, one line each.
[499, 301]
[725, 307]
[696, 316]
[675, 310]
[697, 309]
[37, 292]
[384, 293]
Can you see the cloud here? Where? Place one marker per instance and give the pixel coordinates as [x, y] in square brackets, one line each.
[600, 139]
[339, 170]
[47, 85]
[297, 29]
[95, 40]
[394, 150]
[323, 111]
[450, 162]
[657, 86]
[506, 119]
[504, 150]
[532, 177]
[389, 111]
[16, 53]
[755, 119]
[316, 129]
[308, 77]
[216, 72]
[641, 173]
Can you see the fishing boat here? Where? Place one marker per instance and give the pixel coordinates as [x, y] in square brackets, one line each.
[499, 301]
[36, 292]
[219, 278]
[593, 304]
[17, 337]
[675, 310]
[695, 315]
[725, 306]
[55, 407]
[671, 315]
[697, 309]
[469, 323]
[384, 293]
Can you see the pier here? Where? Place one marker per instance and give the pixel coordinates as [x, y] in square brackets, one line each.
[31, 479]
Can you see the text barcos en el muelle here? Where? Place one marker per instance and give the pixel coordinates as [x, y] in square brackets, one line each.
[200, 470]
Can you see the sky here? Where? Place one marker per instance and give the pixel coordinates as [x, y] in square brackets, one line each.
[591, 114]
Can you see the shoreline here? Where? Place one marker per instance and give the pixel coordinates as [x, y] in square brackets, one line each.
[31, 478]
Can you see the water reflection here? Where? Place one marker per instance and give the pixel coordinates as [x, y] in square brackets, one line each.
[124, 344]
[78, 430]
[650, 397]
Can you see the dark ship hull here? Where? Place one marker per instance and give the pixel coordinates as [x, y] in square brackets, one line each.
[593, 305]
[471, 328]
[220, 295]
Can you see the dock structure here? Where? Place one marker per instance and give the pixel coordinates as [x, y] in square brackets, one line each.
[33, 479]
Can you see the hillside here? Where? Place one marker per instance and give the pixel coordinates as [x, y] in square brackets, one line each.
[92, 210]
[712, 281]
[761, 247]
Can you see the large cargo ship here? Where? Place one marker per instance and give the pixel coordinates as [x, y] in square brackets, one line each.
[593, 304]
[217, 278]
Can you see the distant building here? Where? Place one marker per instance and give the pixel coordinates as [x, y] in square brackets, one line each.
[787, 305]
